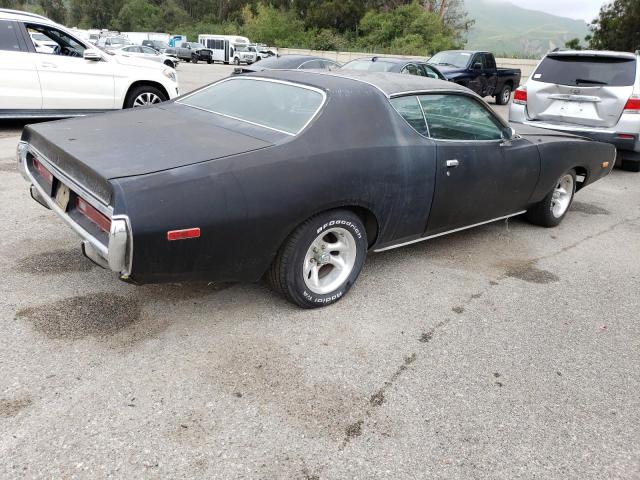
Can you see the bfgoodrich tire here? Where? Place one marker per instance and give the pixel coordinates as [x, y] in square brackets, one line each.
[320, 260]
[553, 208]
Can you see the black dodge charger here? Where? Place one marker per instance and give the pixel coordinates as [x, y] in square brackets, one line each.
[296, 175]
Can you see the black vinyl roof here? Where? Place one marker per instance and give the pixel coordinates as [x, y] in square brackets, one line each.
[388, 83]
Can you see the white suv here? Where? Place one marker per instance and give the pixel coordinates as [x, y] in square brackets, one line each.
[75, 79]
[594, 94]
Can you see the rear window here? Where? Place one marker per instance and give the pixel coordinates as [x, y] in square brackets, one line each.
[577, 70]
[279, 106]
[369, 65]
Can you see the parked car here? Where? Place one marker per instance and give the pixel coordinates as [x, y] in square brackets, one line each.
[111, 42]
[478, 72]
[395, 65]
[594, 94]
[158, 45]
[148, 53]
[262, 51]
[291, 62]
[74, 80]
[373, 161]
[194, 52]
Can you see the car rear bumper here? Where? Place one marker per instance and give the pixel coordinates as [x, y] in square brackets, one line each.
[624, 136]
[114, 254]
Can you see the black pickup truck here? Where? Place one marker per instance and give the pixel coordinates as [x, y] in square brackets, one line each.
[478, 72]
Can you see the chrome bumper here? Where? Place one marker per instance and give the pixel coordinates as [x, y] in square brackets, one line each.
[118, 254]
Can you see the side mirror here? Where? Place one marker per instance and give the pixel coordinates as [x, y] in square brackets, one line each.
[508, 134]
[477, 66]
[92, 54]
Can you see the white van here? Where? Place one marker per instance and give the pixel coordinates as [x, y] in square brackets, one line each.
[229, 48]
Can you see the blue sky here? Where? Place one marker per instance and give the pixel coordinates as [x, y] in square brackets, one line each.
[583, 9]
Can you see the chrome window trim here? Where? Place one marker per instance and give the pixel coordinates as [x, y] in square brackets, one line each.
[446, 92]
[422, 239]
[98, 203]
[269, 80]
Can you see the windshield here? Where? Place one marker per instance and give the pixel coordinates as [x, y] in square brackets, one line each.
[368, 65]
[583, 71]
[451, 59]
[241, 48]
[279, 106]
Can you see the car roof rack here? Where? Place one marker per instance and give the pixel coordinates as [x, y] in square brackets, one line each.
[23, 13]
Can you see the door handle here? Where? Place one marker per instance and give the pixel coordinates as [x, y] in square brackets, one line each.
[452, 163]
[48, 65]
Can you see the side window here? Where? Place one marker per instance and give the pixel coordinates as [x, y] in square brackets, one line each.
[147, 50]
[311, 64]
[429, 72]
[411, 69]
[9, 36]
[328, 65]
[67, 45]
[409, 109]
[479, 58]
[459, 117]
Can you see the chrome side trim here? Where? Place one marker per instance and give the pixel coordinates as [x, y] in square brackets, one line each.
[118, 255]
[90, 197]
[422, 239]
[260, 79]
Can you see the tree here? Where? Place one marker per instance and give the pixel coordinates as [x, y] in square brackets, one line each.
[56, 10]
[573, 44]
[617, 27]
[409, 29]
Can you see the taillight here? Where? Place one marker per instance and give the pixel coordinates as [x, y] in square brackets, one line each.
[520, 96]
[103, 222]
[44, 173]
[185, 234]
[633, 104]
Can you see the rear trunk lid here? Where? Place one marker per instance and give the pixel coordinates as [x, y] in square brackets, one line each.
[93, 150]
[581, 89]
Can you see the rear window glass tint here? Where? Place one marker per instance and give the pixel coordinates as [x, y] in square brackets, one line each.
[8, 37]
[410, 110]
[583, 71]
[369, 66]
[280, 106]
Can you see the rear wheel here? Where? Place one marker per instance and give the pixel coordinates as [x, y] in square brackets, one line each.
[504, 95]
[552, 209]
[321, 259]
[144, 96]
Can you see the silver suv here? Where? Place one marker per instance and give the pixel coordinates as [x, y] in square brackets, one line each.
[594, 94]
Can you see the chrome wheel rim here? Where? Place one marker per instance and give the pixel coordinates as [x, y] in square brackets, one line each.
[145, 99]
[561, 197]
[506, 95]
[329, 260]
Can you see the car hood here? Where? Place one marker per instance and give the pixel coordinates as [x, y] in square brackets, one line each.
[447, 70]
[96, 149]
[131, 61]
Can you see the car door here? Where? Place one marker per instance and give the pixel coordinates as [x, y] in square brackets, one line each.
[68, 81]
[479, 176]
[19, 81]
[477, 79]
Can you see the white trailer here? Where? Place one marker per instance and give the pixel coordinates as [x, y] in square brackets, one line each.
[228, 48]
[138, 37]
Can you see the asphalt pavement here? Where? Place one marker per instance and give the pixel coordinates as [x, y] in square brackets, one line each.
[508, 351]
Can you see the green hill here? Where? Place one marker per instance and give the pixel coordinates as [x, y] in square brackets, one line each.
[504, 28]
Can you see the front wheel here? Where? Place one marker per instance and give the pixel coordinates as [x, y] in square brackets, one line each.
[194, 59]
[144, 96]
[236, 61]
[504, 95]
[321, 259]
[552, 209]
